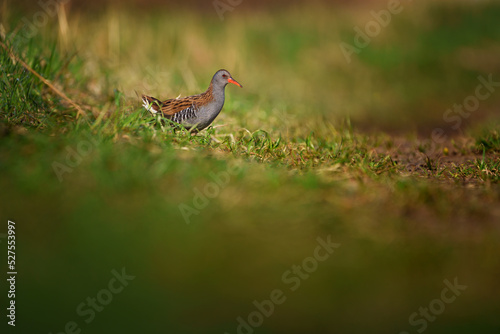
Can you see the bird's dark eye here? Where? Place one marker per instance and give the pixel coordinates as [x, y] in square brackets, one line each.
[224, 76]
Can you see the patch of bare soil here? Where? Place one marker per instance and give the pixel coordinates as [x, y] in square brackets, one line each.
[458, 159]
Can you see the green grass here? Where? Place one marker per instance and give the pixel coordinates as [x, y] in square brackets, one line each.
[294, 156]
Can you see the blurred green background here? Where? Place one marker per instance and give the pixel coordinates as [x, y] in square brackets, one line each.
[319, 147]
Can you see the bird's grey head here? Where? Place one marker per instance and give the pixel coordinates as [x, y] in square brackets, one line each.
[222, 78]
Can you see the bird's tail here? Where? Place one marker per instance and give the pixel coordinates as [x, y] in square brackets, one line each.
[151, 104]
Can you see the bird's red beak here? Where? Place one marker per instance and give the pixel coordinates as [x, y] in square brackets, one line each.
[231, 80]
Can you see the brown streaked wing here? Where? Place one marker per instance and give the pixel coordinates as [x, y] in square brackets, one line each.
[173, 106]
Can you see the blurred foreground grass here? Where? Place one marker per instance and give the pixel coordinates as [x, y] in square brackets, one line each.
[285, 163]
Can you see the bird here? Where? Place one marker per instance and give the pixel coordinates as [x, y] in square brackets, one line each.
[194, 112]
